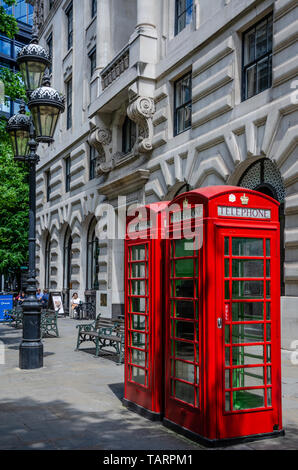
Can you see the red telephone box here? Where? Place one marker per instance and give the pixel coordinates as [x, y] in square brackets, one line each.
[144, 307]
[222, 356]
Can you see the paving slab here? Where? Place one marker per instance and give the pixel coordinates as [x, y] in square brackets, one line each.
[74, 402]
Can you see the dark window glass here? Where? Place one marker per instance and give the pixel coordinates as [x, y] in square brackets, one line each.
[183, 104]
[69, 14]
[129, 135]
[50, 49]
[93, 8]
[67, 260]
[92, 58]
[5, 46]
[48, 185]
[69, 104]
[257, 58]
[51, 2]
[184, 10]
[92, 167]
[47, 262]
[92, 258]
[67, 174]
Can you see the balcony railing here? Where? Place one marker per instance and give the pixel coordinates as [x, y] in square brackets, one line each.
[116, 67]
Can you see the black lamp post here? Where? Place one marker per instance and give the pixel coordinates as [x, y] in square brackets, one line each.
[45, 104]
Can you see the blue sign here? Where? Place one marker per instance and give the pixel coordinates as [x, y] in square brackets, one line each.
[6, 303]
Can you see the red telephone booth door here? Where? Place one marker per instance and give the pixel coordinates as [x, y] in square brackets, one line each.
[144, 306]
[248, 332]
[137, 323]
[183, 392]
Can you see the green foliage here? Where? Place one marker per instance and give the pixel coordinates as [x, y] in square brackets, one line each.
[12, 81]
[14, 190]
[8, 23]
[13, 84]
[14, 200]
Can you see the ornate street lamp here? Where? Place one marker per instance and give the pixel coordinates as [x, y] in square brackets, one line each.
[46, 105]
[33, 61]
[18, 128]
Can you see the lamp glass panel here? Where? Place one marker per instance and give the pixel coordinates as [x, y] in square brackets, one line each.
[32, 73]
[22, 139]
[19, 140]
[45, 120]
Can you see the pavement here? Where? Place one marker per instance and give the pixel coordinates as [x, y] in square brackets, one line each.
[74, 402]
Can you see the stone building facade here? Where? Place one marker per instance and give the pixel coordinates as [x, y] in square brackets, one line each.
[163, 96]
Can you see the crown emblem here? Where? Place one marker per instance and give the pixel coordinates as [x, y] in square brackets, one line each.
[185, 203]
[244, 200]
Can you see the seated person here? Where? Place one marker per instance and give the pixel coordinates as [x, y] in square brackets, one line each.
[45, 298]
[21, 298]
[39, 294]
[75, 302]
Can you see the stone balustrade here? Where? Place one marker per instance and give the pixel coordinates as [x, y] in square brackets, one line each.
[115, 68]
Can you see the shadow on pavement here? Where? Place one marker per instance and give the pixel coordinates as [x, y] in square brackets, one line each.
[104, 353]
[29, 424]
[118, 390]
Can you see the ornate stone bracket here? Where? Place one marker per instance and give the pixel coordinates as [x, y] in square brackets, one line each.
[101, 139]
[141, 111]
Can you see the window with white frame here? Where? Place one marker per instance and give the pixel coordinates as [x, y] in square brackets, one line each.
[183, 14]
[69, 17]
[257, 58]
[182, 104]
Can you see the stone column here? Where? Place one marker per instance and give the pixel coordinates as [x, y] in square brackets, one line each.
[144, 37]
[145, 15]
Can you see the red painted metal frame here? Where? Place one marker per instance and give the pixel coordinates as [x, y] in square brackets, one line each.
[210, 420]
[267, 418]
[149, 396]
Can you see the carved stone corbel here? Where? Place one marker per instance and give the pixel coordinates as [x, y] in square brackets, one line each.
[101, 139]
[103, 167]
[141, 111]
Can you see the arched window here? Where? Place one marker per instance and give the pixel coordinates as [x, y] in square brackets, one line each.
[67, 259]
[47, 262]
[92, 258]
[264, 176]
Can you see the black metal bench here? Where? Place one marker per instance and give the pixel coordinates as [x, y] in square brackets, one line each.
[49, 323]
[103, 332]
[114, 337]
